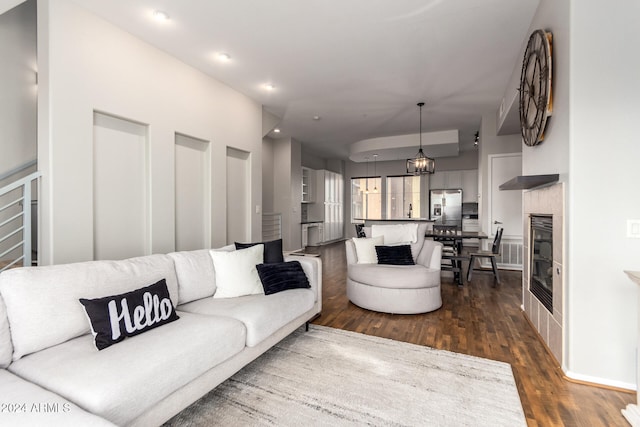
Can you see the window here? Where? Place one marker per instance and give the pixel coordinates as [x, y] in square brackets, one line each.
[366, 198]
[403, 197]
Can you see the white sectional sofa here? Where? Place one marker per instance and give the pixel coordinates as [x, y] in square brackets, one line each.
[52, 374]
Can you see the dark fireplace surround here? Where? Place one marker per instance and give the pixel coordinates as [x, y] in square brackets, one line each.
[541, 259]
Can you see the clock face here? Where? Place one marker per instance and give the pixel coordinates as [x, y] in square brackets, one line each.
[535, 88]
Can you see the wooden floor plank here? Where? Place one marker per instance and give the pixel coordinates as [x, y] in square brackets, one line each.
[484, 320]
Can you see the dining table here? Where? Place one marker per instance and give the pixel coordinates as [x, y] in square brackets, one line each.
[457, 236]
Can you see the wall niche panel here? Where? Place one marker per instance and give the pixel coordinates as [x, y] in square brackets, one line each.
[120, 188]
[193, 193]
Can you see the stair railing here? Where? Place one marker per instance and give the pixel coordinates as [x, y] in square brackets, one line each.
[15, 220]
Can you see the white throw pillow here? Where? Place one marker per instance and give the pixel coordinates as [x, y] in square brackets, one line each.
[366, 249]
[236, 273]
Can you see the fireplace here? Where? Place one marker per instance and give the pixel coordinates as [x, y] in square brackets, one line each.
[541, 280]
[543, 274]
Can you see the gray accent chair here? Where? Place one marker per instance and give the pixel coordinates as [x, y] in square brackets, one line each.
[398, 289]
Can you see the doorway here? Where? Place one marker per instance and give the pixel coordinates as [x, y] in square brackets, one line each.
[505, 209]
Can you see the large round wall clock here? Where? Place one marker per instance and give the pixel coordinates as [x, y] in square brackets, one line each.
[536, 101]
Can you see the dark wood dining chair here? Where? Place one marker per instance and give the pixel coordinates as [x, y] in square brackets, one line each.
[451, 257]
[492, 255]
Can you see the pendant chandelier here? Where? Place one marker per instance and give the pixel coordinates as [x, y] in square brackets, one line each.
[375, 176]
[421, 164]
[366, 191]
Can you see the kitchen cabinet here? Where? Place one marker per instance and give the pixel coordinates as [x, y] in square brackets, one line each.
[453, 179]
[329, 205]
[436, 181]
[445, 180]
[471, 225]
[470, 186]
[307, 185]
[312, 234]
[467, 180]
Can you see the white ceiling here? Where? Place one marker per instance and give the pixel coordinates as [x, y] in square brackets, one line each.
[361, 65]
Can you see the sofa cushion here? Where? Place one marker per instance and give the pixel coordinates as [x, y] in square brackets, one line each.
[236, 273]
[272, 250]
[262, 315]
[31, 405]
[125, 380]
[116, 317]
[196, 278]
[42, 302]
[6, 347]
[366, 249]
[281, 276]
[394, 276]
[416, 246]
[394, 255]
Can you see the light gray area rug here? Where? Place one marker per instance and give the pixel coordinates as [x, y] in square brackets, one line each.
[330, 377]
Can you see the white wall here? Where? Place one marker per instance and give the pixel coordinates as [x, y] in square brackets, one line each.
[18, 87]
[591, 142]
[604, 176]
[287, 190]
[87, 64]
[267, 175]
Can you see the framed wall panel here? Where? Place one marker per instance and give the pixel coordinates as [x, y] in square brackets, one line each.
[120, 188]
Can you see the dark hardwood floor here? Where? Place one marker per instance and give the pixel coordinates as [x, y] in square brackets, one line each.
[484, 320]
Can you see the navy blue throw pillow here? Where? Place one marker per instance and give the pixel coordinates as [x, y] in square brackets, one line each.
[272, 250]
[281, 276]
[116, 317]
[395, 255]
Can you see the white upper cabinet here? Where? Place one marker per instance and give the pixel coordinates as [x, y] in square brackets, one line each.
[467, 180]
[453, 179]
[436, 181]
[470, 186]
[307, 185]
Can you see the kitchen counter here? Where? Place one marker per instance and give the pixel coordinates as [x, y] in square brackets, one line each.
[395, 219]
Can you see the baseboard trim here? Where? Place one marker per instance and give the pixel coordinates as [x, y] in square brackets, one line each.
[599, 382]
[579, 378]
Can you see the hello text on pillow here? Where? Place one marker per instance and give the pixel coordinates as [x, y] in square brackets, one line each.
[116, 317]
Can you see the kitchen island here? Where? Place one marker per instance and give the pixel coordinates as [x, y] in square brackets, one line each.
[370, 222]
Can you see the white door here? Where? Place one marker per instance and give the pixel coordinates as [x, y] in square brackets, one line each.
[238, 196]
[505, 208]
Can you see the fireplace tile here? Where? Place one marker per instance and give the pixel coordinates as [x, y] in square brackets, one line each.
[557, 290]
[555, 340]
[545, 201]
[558, 221]
[527, 201]
[544, 322]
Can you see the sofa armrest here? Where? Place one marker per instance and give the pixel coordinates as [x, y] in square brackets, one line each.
[431, 255]
[350, 248]
[312, 267]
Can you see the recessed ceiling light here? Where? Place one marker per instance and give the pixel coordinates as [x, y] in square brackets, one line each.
[224, 57]
[160, 15]
[269, 87]
[276, 130]
[317, 117]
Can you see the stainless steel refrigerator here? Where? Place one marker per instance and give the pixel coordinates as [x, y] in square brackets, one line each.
[445, 207]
